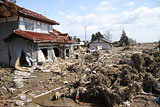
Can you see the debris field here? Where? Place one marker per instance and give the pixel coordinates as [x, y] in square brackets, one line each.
[120, 77]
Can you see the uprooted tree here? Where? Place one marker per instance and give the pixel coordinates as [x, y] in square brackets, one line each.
[8, 8]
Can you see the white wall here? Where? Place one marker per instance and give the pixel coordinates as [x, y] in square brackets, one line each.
[96, 43]
[39, 27]
[22, 24]
[16, 46]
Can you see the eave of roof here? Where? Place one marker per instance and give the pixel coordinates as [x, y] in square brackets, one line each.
[109, 41]
[103, 39]
[30, 14]
[42, 37]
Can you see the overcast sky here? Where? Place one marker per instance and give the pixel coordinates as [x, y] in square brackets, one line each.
[139, 18]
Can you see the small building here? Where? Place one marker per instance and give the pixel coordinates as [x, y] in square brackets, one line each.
[30, 36]
[102, 43]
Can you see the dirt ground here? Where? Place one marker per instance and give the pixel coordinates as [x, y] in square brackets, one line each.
[63, 74]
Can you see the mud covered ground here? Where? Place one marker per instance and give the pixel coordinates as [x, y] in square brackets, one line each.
[122, 76]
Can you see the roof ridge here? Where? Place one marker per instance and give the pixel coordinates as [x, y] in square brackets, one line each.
[36, 15]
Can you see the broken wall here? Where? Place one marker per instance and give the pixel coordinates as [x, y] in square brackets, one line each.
[16, 46]
[51, 54]
[6, 28]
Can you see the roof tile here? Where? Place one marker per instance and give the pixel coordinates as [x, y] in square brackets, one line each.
[44, 37]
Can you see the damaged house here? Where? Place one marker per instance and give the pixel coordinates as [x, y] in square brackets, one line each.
[30, 38]
[100, 42]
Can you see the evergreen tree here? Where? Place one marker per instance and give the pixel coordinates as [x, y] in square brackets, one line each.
[97, 35]
[124, 39]
[78, 40]
[93, 37]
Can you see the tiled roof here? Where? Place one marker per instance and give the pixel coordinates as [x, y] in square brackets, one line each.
[43, 37]
[56, 32]
[34, 15]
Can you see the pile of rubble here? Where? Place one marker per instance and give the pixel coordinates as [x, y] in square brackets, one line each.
[117, 85]
[102, 78]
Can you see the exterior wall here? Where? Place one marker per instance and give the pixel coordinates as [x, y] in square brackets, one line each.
[69, 49]
[51, 54]
[6, 28]
[62, 52]
[8, 19]
[96, 43]
[38, 26]
[34, 52]
[50, 49]
[16, 46]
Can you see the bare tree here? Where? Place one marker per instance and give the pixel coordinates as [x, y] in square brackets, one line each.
[108, 35]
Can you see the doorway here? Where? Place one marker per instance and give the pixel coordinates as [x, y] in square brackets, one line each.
[67, 52]
[45, 52]
[56, 51]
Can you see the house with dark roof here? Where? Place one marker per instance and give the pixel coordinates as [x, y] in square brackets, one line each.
[102, 43]
[30, 38]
